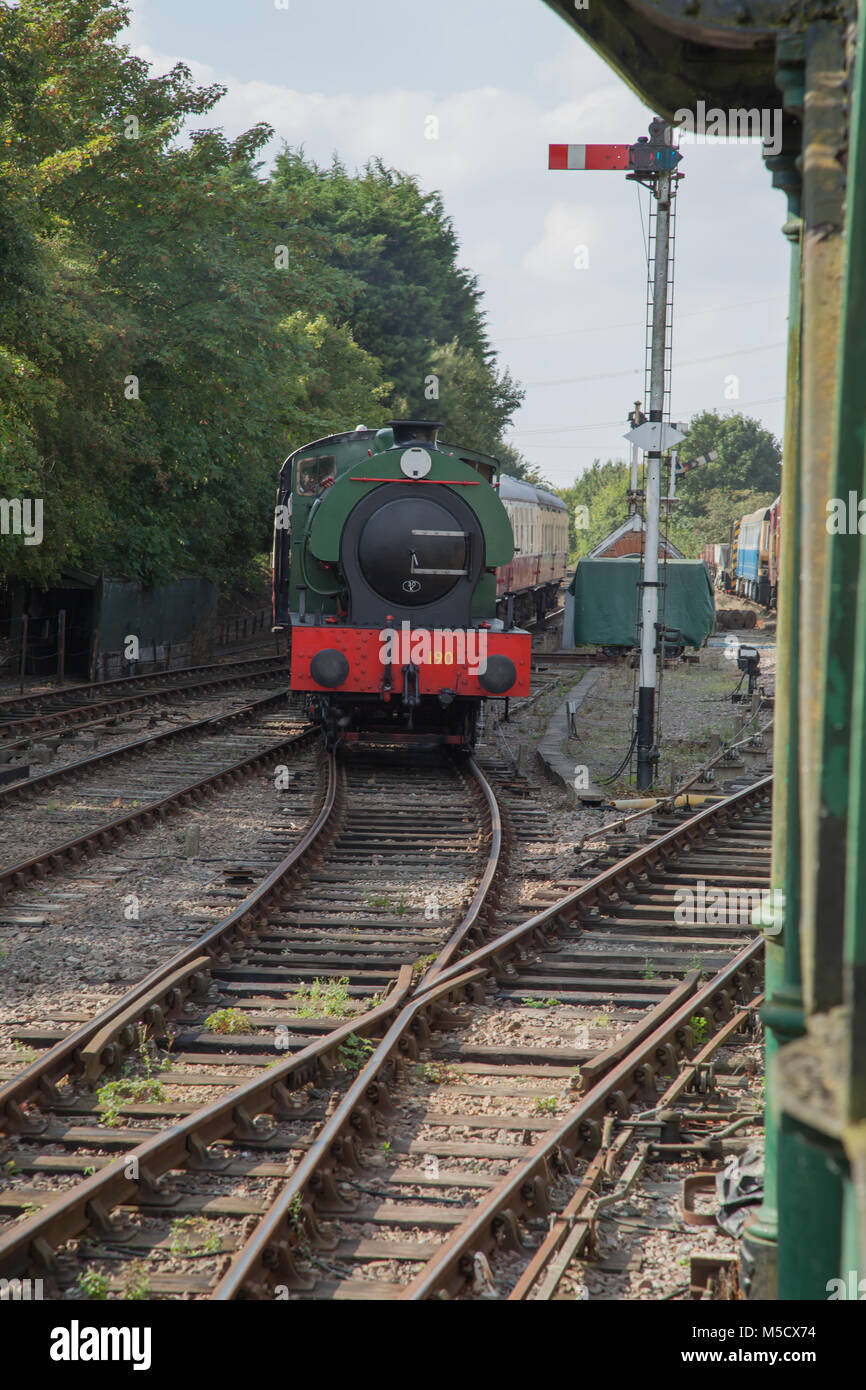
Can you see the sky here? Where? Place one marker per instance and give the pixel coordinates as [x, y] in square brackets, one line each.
[503, 79]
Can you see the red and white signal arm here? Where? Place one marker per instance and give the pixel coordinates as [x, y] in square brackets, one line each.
[588, 156]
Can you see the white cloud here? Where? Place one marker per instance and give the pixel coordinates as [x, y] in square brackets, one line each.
[570, 229]
[486, 135]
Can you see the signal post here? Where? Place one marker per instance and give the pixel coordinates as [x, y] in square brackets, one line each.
[651, 161]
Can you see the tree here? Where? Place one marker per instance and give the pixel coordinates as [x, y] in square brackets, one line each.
[336, 382]
[745, 475]
[173, 322]
[412, 306]
[748, 456]
[474, 403]
[598, 498]
[400, 248]
[155, 368]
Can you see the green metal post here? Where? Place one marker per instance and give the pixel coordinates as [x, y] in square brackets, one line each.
[783, 1011]
[852, 476]
[823, 670]
[810, 1159]
[810, 1207]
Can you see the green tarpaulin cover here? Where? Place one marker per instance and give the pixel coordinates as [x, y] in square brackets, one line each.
[606, 601]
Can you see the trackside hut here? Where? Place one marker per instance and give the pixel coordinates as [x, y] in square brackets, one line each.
[603, 602]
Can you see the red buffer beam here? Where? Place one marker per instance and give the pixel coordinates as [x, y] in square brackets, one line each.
[588, 156]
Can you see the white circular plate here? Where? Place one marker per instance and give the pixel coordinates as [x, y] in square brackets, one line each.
[416, 463]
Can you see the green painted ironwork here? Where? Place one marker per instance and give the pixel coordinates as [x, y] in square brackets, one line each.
[783, 1012]
[852, 471]
[852, 474]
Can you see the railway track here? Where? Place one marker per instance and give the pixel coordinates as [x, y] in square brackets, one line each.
[455, 1138]
[572, 658]
[289, 983]
[29, 716]
[555, 615]
[130, 774]
[439, 1171]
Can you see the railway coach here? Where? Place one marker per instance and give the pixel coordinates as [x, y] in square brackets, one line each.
[539, 521]
[394, 568]
[717, 560]
[755, 548]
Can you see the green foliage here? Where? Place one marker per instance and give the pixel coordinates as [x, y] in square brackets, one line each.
[323, 999]
[353, 1053]
[601, 489]
[538, 1003]
[438, 1073]
[92, 1285]
[475, 402]
[512, 461]
[254, 313]
[698, 1025]
[227, 1021]
[746, 475]
[185, 1230]
[749, 457]
[546, 1105]
[113, 1095]
[421, 1072]
[136, 1282]
[400, 249]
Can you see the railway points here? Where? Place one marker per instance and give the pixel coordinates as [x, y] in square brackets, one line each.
[329, 964]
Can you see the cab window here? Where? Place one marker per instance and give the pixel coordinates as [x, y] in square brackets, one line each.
[312, 471]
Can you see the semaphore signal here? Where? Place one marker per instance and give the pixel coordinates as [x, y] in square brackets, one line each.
[588, 156]
[696, 463]
[651, 161]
